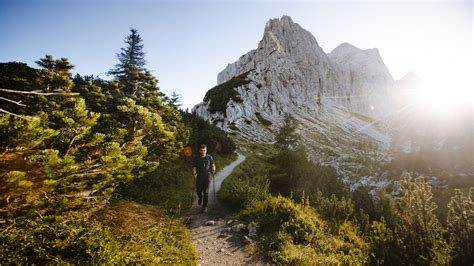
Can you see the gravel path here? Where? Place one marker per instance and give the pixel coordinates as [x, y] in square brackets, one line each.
[214, 236]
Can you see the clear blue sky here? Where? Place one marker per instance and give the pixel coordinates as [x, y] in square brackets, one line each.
[188, 42]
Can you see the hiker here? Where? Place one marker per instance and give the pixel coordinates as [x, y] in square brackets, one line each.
[203, 165]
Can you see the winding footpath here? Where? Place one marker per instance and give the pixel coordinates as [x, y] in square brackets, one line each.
[212, 234]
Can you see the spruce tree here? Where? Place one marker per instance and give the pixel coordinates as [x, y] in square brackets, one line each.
[286, 137]
[140, 107]
[130, 56]
[137, 82]
[61, 66]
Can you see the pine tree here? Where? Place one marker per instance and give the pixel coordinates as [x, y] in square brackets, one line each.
[136, 81]
[140, 107]
[131, 56]
[60, 66]
[286, 137]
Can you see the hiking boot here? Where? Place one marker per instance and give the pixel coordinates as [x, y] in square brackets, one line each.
[204, 210]
[199, 201]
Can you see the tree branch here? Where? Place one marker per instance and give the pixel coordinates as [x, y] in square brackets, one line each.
[22, 117]
[38, 92]
[12, 101]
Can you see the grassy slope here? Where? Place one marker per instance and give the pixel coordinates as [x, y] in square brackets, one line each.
[289, 232]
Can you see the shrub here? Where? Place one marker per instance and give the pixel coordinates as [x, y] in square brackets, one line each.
[215, 138]
[247, 182]
[334, 210]
[239, 192]
[221, 94]
[77, 239]
[293, 233]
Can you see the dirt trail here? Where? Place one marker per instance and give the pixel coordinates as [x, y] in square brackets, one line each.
[217, 244]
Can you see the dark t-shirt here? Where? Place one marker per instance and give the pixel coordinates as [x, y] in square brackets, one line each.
[203, 164]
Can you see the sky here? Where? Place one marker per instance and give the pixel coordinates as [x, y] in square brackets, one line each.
[187, 43]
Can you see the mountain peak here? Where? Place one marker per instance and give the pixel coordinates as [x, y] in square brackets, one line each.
[284, 21]
[288, 38]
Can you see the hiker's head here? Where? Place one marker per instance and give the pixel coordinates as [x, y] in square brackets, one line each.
[203, 150]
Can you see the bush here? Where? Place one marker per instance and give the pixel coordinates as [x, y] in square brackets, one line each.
[248, 182]
[239, 192]
[221, 94]
[293, 233]
[334, 210]
[77, 239]
[169, 186]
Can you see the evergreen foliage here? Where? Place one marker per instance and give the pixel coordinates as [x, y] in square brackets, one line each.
[130, 56]
[202, 132]
[293, 172]
[80, 152]
[420, 234]
[286, 138]
[66, 144]
[460, 224]
[220, 95]
[293, 233]
[247, 183]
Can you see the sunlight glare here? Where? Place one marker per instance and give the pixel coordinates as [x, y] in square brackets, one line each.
[445, 92]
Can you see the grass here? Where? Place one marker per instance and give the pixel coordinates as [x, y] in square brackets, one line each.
[123, 233]
[246, 183]
[221, 94]
[151, 234]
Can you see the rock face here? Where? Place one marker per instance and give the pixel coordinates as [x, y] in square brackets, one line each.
[290, 73]
[365, 78]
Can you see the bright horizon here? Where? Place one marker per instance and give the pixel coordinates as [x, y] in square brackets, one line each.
[187, 43]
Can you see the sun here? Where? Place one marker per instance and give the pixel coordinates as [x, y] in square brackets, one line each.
[446, 92]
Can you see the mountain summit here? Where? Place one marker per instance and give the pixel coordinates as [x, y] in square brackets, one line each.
[290, 73]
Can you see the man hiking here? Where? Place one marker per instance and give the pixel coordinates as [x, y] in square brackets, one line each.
[203, 165]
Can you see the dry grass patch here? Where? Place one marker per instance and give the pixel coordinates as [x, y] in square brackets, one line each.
[126, 216]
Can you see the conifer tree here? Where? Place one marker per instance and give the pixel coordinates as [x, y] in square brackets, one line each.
[130, 56]
[286, 137]
[137, 82]
[61, 66]
[140, 107]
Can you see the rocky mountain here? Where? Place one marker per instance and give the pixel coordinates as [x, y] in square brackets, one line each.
[338, 98]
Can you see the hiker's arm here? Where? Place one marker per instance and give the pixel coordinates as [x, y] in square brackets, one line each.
[213, 165]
